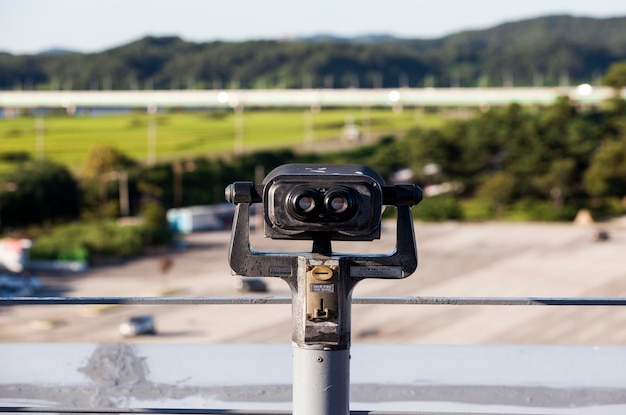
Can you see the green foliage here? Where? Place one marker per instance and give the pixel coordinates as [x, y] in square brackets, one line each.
[541, 161]
[616, 75]
[88, 240]
[476, 209]
[156, 228]
[497, 190]
[14, 156]
[104, 159]
[528, 209]
[607, 174]
[510, 53]
[608, 207]
[439, 208]
[390, 155]
[558, 182]
[38, 192]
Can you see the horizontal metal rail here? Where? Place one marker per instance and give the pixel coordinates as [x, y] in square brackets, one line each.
[185, 411]
[405, 300]
[182, 411]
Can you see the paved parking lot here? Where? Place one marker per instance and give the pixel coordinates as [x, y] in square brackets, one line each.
[487, 259]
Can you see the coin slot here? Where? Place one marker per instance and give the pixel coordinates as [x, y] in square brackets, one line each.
[321, 293]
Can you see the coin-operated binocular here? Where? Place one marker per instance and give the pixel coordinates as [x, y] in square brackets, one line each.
[322, 203]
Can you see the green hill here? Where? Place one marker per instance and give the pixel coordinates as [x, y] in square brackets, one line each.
[541, 51]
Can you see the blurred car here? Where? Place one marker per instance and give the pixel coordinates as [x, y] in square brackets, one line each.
[137, 326]
[250, 285]
[18, 285]
[600, 235]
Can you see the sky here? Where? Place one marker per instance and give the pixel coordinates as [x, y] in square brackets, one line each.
[32, 26]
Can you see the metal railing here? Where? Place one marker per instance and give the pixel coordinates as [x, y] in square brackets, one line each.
[405, 300]
[182, 411]
[274, 300]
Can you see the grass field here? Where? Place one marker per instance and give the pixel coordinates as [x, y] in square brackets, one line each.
[68, 139]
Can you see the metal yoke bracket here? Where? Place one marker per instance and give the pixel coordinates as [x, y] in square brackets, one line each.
[321, 308]
[400, 263]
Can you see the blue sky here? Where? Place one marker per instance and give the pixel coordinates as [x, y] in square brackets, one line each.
[30, 26]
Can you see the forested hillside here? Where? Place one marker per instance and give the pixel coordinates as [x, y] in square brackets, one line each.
[544, 51]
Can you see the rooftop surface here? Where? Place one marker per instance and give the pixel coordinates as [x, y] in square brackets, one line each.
[421, 358]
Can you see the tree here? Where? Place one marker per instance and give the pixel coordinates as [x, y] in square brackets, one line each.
[497, 190]
[155, 223]
[38, 192]
[616, 76]
[104, 159]
[606, 176]
[557, 183]
[102, 165]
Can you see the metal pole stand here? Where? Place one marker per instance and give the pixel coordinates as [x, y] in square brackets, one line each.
[321, 284]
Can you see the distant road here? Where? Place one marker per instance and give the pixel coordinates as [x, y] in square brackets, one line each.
[300, 97]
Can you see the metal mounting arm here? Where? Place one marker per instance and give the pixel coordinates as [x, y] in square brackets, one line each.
[400, 263]
[246, 261]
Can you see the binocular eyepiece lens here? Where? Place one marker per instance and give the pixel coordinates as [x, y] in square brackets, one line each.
[305, 204]
[302, 203]
[320, 204]
[338, 203]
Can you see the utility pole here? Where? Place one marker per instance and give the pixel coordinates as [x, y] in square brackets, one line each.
[152, 134]
[40, 136]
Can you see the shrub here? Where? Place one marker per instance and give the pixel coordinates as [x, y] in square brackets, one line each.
[81, 241]
[439, 208]
[476, 209]
[156, 228]
[539, 210]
